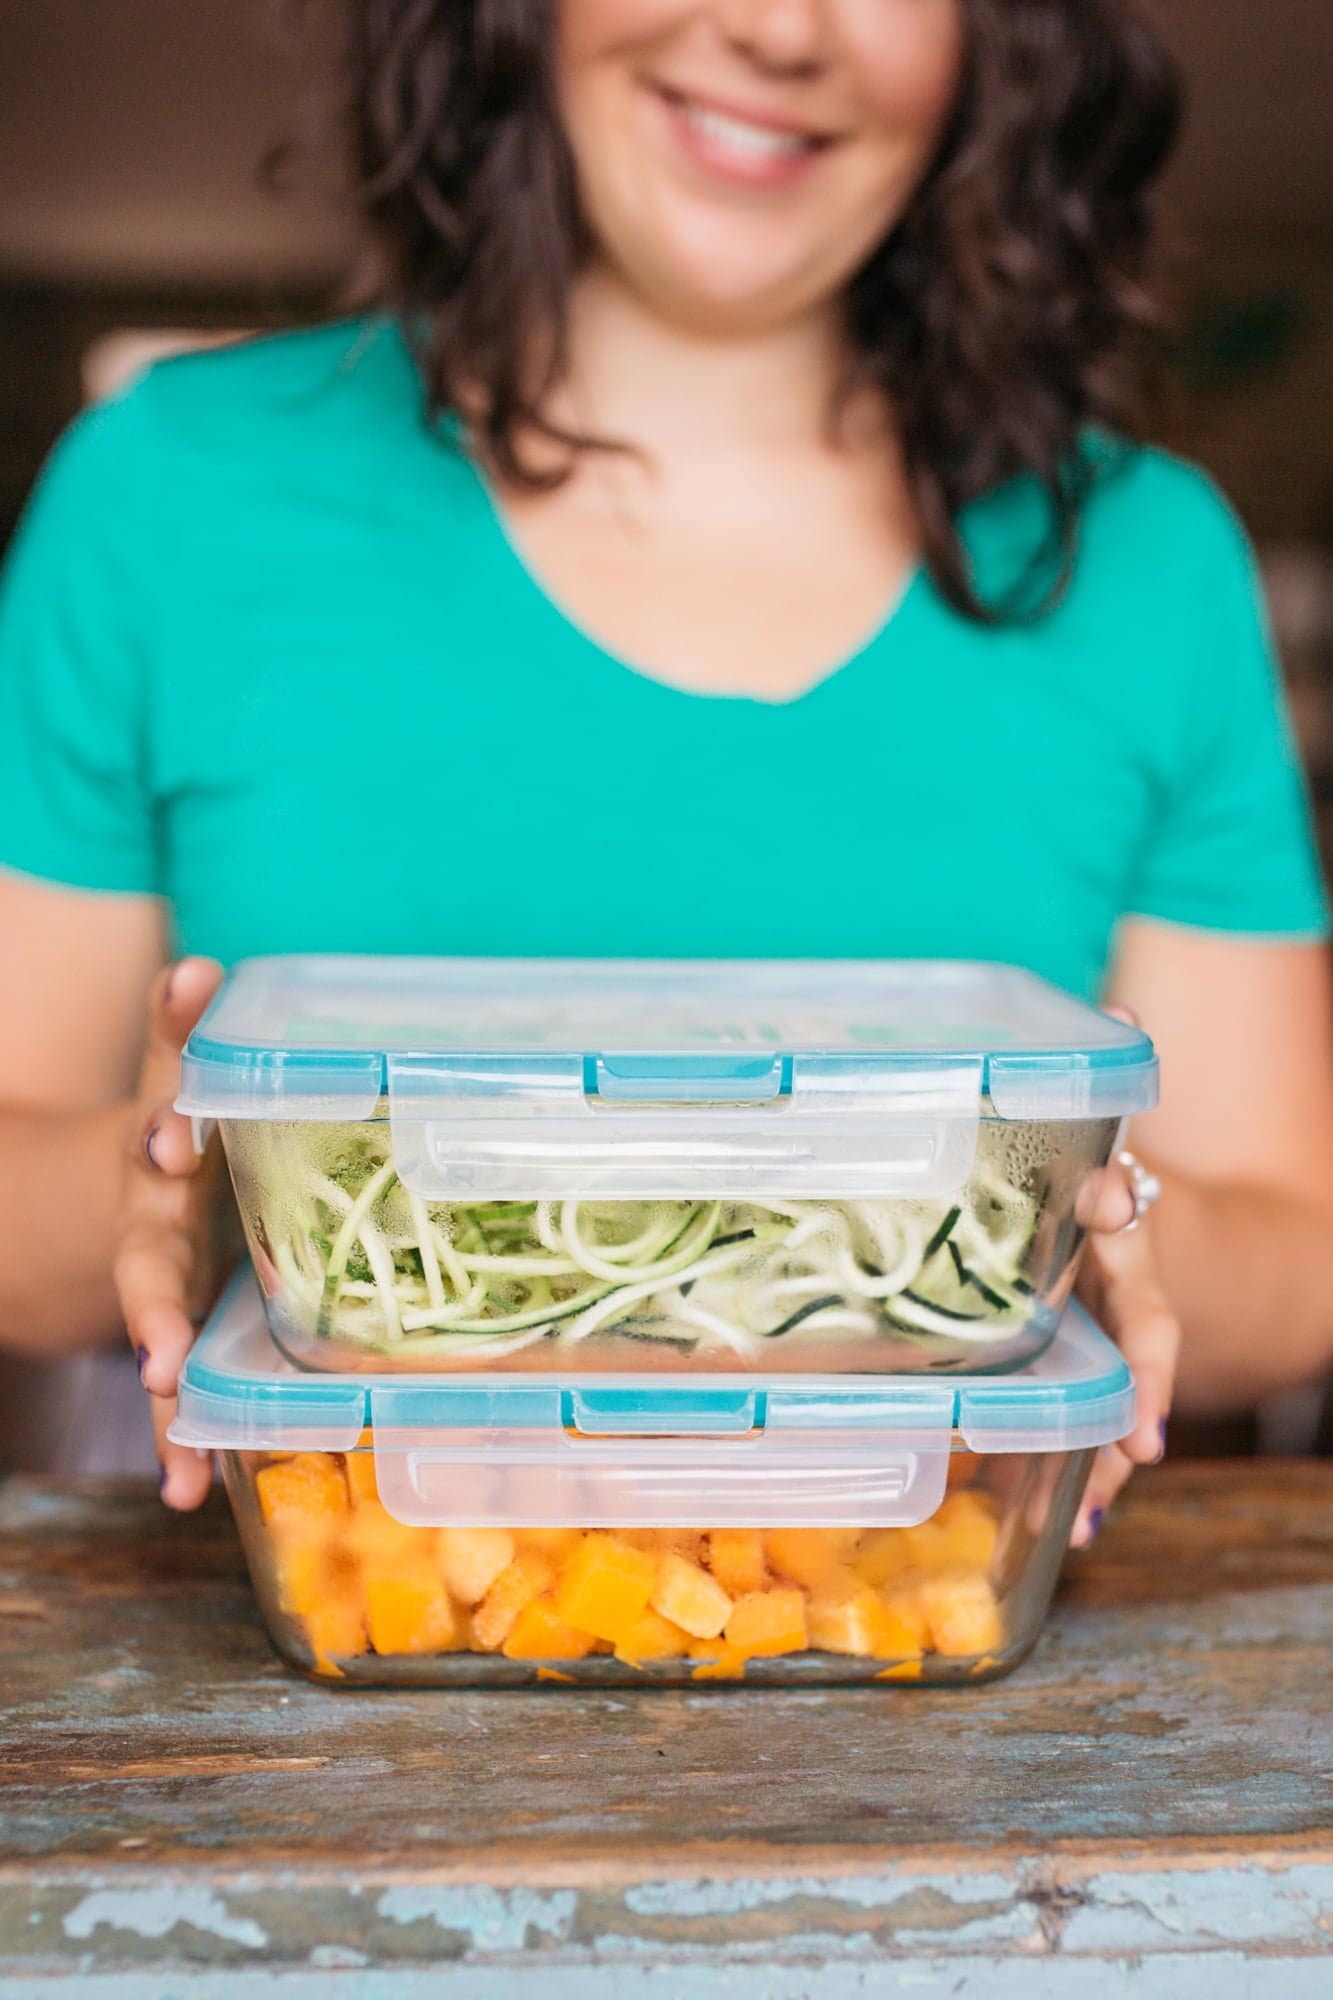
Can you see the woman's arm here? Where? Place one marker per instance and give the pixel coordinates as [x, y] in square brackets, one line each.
[77, 968]
[1243, 1140]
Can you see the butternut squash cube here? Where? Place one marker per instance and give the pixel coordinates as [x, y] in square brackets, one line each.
[387, 1547]
[605, 1585]
[860, 1623]
[557, 1543]
[299, 1491]
[335, 1630]
[881, 1556]
[526, 1577]
[765, 1622]
[810, 1556]
[409, 1615]
[736, 1558]
[968, 1523]
[926, 1547]
[540, 1633]
[472, 1558]
[962, 1613]
[690, 1597]
[359, 1470]
[651, 1637]
[902, 1603]
[302, 1569]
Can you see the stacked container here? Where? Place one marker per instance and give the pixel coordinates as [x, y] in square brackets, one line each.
[648, 1321]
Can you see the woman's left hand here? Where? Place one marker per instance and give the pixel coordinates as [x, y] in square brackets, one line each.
[1118, 1284]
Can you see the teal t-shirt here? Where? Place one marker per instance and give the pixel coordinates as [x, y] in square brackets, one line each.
[266, 652]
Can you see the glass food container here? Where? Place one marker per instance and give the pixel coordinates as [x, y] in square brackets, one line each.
[630, 1531]
[466, 1165]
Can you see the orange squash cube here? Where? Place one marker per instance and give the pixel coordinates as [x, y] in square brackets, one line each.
[297, 1492]
[651, 1637]
[880, 1557]
[962, 1613]
[526, 1577]
[727, 1665]
[859, 1622]
[540, 1633]
[687, 1542]
[736, 1558]
[690, 1597]
[968, 1523]
[359, 1472]
[765, 1622]
[902, 1604]
[926, 1547]
[409, 1615]
[815, 1557]
[387, 1547]
[472, 1558]
[303, 1570]
[335, 1630]
[557, 1543]
[605, 1585]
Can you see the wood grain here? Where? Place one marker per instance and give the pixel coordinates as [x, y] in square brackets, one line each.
[171, 1798]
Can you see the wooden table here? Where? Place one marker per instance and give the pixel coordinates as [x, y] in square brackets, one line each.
[1144, 1808]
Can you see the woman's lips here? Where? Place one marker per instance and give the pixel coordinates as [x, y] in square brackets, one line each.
[749, 151]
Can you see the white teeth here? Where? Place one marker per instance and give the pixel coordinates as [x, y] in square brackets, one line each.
[757, 142]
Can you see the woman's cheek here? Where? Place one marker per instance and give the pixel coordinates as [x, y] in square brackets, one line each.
[908, 58]
[589, 29]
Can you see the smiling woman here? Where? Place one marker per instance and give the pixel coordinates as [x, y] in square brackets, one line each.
[723, 538]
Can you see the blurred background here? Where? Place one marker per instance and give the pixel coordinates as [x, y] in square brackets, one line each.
[134, 217]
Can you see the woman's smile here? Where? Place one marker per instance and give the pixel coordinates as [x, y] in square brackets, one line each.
[748, 147]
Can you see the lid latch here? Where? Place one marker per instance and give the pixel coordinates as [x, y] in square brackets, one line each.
[595, 1413]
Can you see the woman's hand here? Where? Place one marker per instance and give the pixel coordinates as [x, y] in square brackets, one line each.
[1118, 1283]
[169, 1241]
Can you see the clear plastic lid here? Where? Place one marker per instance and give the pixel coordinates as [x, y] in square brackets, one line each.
[529, 1078]
[605, 1451]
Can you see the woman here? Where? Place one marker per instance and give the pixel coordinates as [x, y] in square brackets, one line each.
[723, 542]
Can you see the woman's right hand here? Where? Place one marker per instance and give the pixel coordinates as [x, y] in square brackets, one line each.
[169, 1258]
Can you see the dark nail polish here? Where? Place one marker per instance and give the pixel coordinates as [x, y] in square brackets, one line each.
[149, 1137]
[1161, 1440]
[1094, 1523]
[141, 1360]
[162, 1480]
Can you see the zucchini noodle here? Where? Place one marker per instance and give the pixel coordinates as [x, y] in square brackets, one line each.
[368, 1261]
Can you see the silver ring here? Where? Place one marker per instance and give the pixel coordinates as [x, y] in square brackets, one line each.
[1145, 1188]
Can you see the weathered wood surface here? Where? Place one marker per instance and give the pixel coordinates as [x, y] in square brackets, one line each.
[180, 1819]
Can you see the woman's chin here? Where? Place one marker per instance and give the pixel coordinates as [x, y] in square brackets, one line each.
[726, 297]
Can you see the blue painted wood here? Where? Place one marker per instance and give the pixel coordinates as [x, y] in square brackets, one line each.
[1145, 1806]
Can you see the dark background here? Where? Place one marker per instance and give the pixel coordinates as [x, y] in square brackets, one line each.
[132, 205]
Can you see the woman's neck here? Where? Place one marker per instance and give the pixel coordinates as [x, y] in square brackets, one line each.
[633, 374]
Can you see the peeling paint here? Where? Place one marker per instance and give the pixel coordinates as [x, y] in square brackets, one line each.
[155, 1912]
[494, 1919]
[1146, 1911]
[705, 1897]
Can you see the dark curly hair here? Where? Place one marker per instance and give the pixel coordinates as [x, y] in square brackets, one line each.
[1006, 313]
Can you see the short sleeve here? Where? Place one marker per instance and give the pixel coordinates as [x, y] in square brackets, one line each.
[76, 622]
[1232, 847]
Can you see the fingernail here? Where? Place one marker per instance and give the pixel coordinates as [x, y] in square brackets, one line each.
[141, 1360]
[149, 1136]
[1161, 1440]
[1094, 1523]
[162, 1480]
